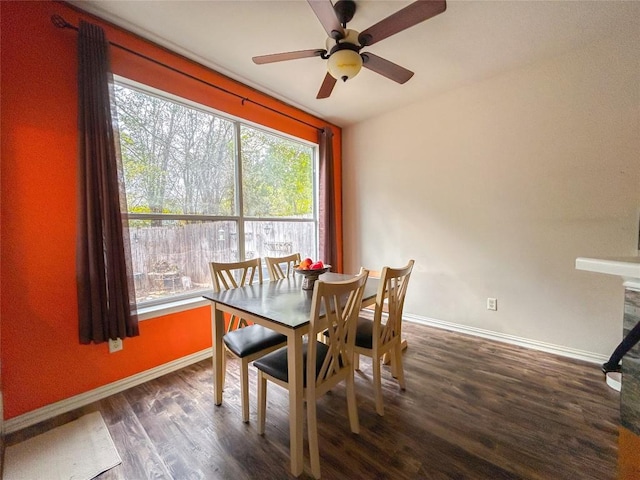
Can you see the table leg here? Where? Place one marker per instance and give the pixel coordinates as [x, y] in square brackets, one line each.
[296, 402]
[217, 331]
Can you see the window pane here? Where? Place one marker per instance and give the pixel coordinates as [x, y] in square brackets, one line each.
[277, 175]
[183, 189]
[177, 159]
[172, 257]
[279, 238]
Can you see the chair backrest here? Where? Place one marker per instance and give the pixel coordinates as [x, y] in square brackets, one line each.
[233, 275]
[334, 307]
[275, 266]
[390, 300]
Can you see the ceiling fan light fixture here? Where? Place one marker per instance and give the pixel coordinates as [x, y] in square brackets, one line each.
[344, 64]
[343, 45]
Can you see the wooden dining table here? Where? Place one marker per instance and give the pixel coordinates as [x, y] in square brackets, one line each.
[285, 307]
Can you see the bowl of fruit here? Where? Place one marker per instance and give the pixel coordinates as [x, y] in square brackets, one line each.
[310, 270]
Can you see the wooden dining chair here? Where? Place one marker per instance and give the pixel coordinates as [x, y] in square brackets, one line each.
[382, 335]
[334, 307]
[281, 267]
[245, 342]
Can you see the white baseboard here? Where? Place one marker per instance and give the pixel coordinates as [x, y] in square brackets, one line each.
[35, 416]
[511, 339]
[49, 411]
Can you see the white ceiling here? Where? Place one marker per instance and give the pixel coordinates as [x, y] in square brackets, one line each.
[470, 41]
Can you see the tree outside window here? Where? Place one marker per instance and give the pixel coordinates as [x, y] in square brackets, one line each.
[202, 187]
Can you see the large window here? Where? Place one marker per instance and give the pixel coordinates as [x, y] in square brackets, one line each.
[202, 187]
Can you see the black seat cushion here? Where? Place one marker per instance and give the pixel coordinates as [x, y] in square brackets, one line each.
[364, 333]
[251, 339]
[276, 363]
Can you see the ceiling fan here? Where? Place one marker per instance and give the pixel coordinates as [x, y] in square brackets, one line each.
[343, 45]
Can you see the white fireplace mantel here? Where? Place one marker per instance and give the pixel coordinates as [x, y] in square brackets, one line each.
[626, 267]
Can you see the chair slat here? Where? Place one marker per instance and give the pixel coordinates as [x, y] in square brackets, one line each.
[275, 264]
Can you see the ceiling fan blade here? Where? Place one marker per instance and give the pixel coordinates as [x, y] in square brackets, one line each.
[281, 57]
[386, 68]
[327, 86]
[328, 18]
[404, 18]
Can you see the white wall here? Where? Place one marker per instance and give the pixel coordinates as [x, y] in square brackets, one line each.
[495, 189]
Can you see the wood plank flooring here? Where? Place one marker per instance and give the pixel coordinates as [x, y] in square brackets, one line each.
[473, 409]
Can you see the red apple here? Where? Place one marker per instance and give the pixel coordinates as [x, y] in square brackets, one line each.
[317, 265]
[305, 264]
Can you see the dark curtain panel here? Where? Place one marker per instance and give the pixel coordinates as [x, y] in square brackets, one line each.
[105, 282]
[327, 209]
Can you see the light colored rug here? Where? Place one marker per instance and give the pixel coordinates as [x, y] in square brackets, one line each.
[79, 450]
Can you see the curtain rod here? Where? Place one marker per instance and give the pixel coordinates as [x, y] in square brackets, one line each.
[60, 22]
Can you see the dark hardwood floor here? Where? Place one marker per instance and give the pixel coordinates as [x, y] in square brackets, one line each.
[473, 409]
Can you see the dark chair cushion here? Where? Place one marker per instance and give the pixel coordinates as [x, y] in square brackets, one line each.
[364, 333]
[276, 363]
[249, 340]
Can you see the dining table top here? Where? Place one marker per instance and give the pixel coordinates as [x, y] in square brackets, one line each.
[283, 301]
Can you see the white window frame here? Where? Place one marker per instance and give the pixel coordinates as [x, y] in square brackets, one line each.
[190, 300]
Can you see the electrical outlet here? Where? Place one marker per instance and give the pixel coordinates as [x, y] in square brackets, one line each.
[492, 304]
[115, 345]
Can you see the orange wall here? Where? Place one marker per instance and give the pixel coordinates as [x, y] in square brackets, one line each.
[42, 360]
